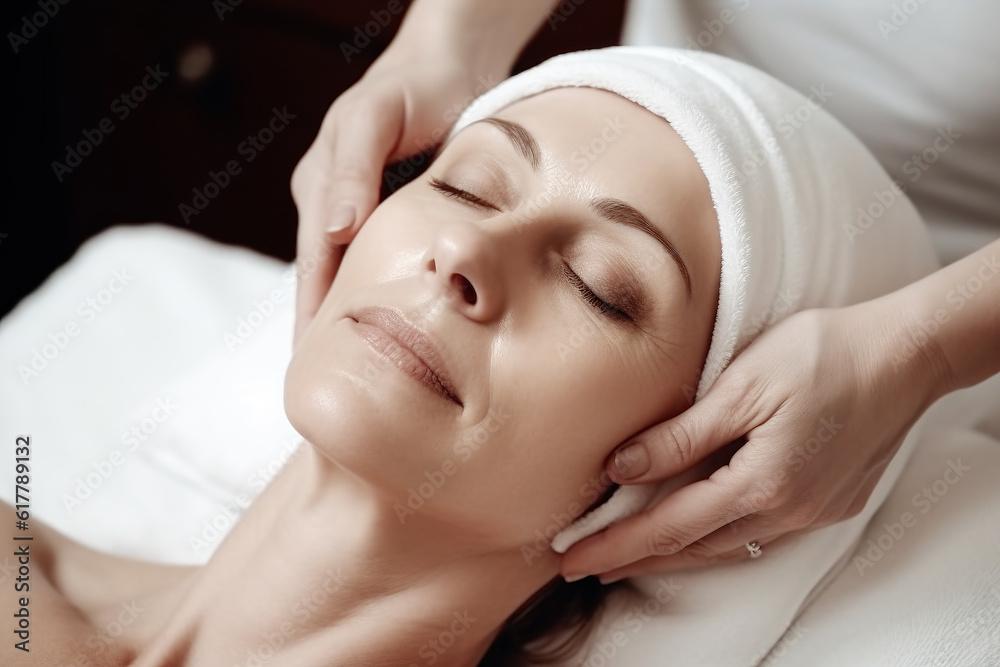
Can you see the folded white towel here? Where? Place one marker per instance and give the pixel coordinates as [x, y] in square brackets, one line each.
[807, 216]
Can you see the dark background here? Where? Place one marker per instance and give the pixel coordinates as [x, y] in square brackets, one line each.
[264, 55]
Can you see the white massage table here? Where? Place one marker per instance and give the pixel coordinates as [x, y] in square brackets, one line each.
[156, 420]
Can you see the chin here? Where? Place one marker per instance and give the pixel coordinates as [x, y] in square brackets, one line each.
[365, 422]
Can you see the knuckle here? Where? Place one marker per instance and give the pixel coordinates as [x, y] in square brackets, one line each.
[701, 550]
[752, 502]
[780, 496]
[676, 444]
[805, 514]
[748, 393]
[298, 181]
[662, 542]
[353, 172]
[768, 494]
[738, 524]
[704, 551]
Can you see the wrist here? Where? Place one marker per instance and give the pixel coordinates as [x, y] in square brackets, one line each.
[912, 329]
[486, 37]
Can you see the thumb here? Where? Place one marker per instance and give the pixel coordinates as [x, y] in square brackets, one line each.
[364, 139]
[673, 446]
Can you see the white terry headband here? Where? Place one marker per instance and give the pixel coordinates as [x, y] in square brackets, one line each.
[787, 181]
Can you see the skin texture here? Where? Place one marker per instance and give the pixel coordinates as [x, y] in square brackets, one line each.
[548, 386]
[773, 491]
[855, 379]
[446, 53]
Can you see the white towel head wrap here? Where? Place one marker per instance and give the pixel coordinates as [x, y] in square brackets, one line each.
[807, 216]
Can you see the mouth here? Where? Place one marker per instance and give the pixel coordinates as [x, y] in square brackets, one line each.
[407, 347]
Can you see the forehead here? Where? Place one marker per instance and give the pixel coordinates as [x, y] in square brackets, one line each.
[608, 145]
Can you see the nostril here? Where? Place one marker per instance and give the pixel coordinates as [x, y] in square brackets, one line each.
[468, 291]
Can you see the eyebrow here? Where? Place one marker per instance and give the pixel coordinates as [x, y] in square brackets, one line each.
[520, 138]
[609, 208]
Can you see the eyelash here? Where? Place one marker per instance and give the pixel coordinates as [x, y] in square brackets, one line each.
[599, 304]
[449, 190]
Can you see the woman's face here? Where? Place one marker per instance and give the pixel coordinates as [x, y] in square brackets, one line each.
[542, 256]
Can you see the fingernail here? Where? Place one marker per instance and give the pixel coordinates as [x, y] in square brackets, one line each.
[341, 218]
[574, 577]
[609, 579]
[632, 461]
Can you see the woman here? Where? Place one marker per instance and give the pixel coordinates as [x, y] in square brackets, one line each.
[568, 271]
[486, 295]
[901, 97]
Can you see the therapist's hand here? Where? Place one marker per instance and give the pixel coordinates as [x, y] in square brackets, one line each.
[404, 104]
[824, 397]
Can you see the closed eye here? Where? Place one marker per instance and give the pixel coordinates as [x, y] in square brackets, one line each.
[449, 190]
[599, 304]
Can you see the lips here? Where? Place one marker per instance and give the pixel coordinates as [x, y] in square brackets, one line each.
[408, 348]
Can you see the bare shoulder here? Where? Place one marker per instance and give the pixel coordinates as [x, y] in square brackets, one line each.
[44, 627]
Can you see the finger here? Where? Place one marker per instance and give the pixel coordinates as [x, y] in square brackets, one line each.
[364, 136]
[315, 273]
[686, 515]
[339, 185]
[677, 444]
[722, 546]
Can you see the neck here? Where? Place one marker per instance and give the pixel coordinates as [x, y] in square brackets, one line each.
[322, 571]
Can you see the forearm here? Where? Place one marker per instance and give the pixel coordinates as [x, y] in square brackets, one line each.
[954, 319]
[488, 35]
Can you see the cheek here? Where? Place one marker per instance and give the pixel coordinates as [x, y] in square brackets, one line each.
[383, 249]
[584, 394]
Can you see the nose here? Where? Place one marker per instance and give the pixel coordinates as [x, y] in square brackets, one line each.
[464, 260]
